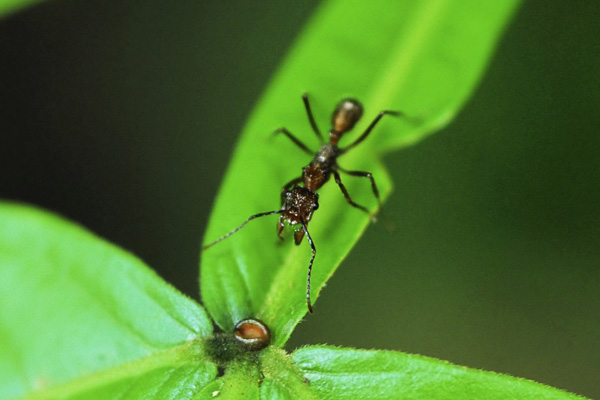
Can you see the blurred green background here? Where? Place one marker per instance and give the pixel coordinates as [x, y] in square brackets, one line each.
[122, 116]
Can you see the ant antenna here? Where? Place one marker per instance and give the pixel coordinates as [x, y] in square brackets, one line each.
[314, 253]
[241, 226]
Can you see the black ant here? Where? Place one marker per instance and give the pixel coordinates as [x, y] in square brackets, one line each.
[299, 202]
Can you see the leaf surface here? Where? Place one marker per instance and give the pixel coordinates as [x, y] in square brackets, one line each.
[423, 58]
[240, 381]
[336, 373]
[75, 308]
[281, 379]
[178, 373]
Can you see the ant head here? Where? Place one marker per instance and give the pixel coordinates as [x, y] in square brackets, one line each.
[346, 115]
[299, 205]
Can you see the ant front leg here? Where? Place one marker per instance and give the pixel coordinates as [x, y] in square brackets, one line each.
[294, 139]
[338, 180]
[365, 174]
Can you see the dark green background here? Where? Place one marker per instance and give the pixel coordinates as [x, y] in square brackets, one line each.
[123, 116]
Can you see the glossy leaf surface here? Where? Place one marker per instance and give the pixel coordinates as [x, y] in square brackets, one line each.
[75, 308]
[240, 381]
[423, 58]
[336, 373]
[282, 380]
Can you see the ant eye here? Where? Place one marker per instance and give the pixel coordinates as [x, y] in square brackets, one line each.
[315, 206]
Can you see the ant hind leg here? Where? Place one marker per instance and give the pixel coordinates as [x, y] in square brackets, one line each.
[371, 126]
[338, 180]
[388, 224]
[365, 174]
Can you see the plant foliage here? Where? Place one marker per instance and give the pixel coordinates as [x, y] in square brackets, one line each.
[81, 318]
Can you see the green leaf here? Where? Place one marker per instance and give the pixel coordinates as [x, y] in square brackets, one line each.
[240, 381]
[360, 374]
[177, 373]
[10, 6]
[75, 308]
[423, 58]
[281, 379]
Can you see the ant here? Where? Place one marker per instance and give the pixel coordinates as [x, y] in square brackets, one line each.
[299, 202]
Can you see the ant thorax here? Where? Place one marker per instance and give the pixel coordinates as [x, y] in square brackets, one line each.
[317, 173]
[299, 205]
[327, 154]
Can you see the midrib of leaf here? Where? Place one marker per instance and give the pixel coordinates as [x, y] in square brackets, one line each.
[405, 53]
[189, 352]
[411, 59]
[402, 58]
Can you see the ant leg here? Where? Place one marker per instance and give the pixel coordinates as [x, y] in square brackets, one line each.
[240, 227]
[311, 118]
[294, 139]
[287, 187]
[314, 253]
[338, 180]
[370, 127]
[365, 174]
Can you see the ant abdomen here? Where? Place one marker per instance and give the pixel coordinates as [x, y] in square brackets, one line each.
[346, 115]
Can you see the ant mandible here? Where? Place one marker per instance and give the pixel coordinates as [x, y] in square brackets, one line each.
[299, 202]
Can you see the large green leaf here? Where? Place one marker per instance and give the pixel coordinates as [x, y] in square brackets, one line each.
[74, 308]
[422, 57]
[82, 319]
[360, 374]
[178, 373]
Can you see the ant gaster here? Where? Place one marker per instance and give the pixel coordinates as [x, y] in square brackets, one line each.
[299, 202]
